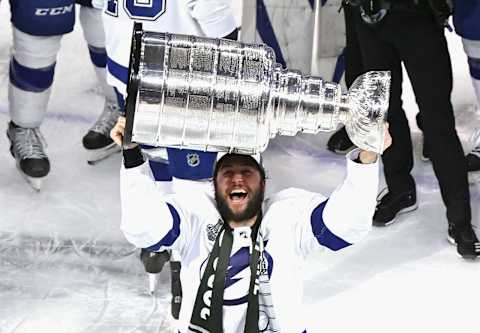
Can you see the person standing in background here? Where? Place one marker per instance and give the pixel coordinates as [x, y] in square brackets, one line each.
[339, 141]
[38, 28]
[412, 32]
[466, 18]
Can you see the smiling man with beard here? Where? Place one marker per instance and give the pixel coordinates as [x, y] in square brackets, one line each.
[243, 255]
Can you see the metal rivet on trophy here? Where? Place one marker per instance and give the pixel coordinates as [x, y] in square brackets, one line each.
[221, 95]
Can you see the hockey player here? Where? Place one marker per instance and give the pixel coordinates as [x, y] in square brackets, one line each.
[466, 15]
[242, 256]
[38, 28]
[210, 18]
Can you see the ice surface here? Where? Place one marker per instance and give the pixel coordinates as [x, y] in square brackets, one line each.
[65, 267]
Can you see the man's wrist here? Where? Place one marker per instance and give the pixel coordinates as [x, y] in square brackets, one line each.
[132, 157]
[367, 157]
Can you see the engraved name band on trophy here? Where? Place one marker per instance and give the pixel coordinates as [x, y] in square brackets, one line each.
[221, 95]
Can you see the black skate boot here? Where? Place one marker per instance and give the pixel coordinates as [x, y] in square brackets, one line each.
[175, 267]
[465, 239]
[473, 160]
[97, 141]
[153, 263]
[339, 142]
[389, 205]
[27, 147]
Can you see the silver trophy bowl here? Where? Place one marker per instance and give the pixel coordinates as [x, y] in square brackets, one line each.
[221, 95]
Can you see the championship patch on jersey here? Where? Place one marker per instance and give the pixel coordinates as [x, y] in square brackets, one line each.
[213, 230]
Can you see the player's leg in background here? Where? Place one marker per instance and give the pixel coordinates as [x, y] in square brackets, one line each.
[97, 141]
[339, 142]
[465, 19]
[472, 49]
[37, 31]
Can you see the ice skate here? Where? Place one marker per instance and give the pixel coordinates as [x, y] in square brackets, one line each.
[97, 141]
[153, 263]
[473, 159]
[27, 147]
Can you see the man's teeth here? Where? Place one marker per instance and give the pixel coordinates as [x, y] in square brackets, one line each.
[239, 191]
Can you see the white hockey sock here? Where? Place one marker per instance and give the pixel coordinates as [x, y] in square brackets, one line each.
[31, 68]
[94, 33]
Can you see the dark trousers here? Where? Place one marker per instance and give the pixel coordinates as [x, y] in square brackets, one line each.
[353, 55]
[415, 39]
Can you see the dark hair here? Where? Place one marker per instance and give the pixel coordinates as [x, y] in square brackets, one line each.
[246, 159]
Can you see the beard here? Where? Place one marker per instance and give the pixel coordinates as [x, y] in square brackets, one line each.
[254, 207]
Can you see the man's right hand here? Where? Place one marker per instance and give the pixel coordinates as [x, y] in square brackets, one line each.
[117, 133]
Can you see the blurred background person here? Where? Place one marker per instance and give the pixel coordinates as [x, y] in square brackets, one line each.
[339, 142]
[466, 18]
[38, 28]
[412, 32]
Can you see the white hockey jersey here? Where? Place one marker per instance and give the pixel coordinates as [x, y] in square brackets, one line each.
[295, 223]
[206, 18]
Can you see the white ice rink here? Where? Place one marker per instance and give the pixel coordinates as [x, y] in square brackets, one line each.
[65, 267]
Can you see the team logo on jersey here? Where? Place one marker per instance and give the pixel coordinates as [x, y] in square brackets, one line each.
[237, 280]
[193, 159]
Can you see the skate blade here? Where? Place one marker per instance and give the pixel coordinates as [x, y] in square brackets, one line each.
[152, 283]
[34, 182]
[97, 155]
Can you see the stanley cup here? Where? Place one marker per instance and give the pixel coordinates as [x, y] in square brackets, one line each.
[221, 95]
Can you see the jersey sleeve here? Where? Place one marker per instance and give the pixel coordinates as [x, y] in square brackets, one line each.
[215, 17]
[150, 219]
[346, 216]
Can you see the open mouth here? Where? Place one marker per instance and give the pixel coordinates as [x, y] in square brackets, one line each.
[237, 195]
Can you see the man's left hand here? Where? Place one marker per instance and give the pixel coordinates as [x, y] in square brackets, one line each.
[367, 157]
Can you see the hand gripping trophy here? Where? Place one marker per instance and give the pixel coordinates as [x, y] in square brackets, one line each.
[221, 95]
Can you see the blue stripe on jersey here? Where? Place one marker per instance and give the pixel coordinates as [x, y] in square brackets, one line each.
[160, 171]
[323, 235]
[117, 70]
[474, 66]
[172, 235]
[31, 79]
[98, 55]
[120, 100]
[265, 29]
[339, 67]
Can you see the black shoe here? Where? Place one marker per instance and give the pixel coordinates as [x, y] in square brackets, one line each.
[175, 267]
[339, 142]
[473, 162]
[392, 204]
[465, 240]
[154, 261]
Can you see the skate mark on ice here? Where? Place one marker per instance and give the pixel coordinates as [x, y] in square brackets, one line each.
[97, 320]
